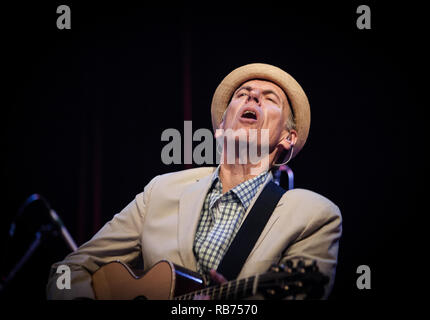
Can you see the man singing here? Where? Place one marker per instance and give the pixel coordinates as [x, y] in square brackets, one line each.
[192, 217]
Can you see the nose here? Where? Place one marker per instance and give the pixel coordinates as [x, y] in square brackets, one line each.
[255, 95]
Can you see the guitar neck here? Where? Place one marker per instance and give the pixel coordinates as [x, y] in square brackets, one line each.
[231, 290]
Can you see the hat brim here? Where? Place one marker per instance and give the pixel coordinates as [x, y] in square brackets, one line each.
[297, 97]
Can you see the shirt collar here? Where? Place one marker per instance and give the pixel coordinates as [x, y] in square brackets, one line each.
[244, 191]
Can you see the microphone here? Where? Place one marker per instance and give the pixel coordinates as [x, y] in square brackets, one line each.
[52, 215]
[64, 232]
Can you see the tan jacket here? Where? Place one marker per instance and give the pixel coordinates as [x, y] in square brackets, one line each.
[160, 223]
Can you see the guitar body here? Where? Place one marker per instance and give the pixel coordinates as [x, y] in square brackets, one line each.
[164, 281]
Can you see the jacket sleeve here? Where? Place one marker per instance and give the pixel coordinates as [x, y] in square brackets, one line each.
[319, 241]
[119, 239]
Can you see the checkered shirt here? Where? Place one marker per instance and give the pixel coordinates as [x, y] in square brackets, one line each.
[221, 218]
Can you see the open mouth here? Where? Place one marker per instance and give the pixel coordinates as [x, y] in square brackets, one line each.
[248, 114]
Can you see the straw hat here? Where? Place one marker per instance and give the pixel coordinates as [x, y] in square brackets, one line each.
[297, 97]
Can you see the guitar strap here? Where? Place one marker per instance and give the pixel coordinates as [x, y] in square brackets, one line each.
[250, 231]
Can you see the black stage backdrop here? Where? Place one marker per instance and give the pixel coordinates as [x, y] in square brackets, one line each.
[83, 112]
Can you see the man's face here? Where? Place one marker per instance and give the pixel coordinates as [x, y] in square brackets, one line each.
[259, 104]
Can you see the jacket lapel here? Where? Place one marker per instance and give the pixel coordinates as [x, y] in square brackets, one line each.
[190, 206]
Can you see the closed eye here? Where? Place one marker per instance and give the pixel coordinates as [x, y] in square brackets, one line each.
[243, 91]
[272, 98]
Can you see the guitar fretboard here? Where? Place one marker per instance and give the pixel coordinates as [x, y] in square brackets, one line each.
[231, 290]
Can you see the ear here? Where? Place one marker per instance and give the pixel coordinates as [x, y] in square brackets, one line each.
[289, 139]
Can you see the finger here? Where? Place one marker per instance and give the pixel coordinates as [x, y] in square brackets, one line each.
[217, 277]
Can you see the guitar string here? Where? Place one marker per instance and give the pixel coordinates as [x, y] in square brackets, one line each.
[238, 285]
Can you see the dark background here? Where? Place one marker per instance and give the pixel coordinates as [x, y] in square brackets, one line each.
[83, 111]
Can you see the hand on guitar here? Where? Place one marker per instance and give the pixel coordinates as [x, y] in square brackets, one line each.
[216, 278]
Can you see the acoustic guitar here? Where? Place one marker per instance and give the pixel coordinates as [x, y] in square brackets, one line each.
[167, 281]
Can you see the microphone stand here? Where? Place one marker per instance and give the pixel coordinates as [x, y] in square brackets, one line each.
[56, 224]
[28, 254]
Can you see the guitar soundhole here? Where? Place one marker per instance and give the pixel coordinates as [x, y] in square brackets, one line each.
[138, 298]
